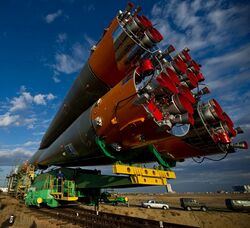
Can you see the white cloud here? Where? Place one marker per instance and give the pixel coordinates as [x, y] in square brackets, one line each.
[72, 60]
[41, 133]
[234, 58]
[56, 74]
[89, 40]
[40, 99]
[15, 156]
[22, 106]
[69, 63]
[8, 119]
[29, 122]
[56, 79]
[21, 102]
[61, 37]
[25, 99]
[25, 151]
[200, 25]
[31, 143]
[50, 96]
[51, 17]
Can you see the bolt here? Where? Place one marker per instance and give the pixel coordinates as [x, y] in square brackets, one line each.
[98, 121]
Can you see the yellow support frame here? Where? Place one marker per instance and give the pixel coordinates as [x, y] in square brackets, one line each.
[59, 196]
[144, 176]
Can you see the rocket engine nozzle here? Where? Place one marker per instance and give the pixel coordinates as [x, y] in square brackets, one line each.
[186, 118]
[166, 83]
[151, 37]
[212, 111]
[187, 93]
[203, 91]
[173, 75]
[241, 145]
[239, 130]
[168, 50]
[138, 24]
[219, 124]
[179, 104]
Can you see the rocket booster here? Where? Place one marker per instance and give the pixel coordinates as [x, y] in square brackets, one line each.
[116, 54]
[130, 99]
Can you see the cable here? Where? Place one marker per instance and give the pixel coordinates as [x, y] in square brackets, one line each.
[210, 159]
[199, 162]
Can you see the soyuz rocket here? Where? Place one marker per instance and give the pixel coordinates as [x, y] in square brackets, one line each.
[135, 103]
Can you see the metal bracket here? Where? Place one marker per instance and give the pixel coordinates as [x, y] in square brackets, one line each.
[103, 148]
[159, 158]
[151, 148]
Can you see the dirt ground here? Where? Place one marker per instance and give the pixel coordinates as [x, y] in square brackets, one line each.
[217, 216]
[24, 217]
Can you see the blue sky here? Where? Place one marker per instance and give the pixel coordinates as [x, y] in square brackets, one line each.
[44, 44]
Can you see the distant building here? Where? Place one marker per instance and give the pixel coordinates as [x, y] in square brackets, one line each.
[169, 188]
[242, 188]
[3, 189]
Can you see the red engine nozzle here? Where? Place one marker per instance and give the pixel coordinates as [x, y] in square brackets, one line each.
[151, 37]
[192, 80]
[203, 91]
[212, 112]
[171, 73]
[155, 111]
[139, 23]
[145, 21]
[217, 108]
[154, 35]
[168, 50]
[241, 145]
[200, 77]
[185, 55]
[222, 137]
[195, 65]
[179, 65]
[229, 128]
[187, 93]
[167, 83]
[146, 68]
[227, 119]
[180, 104]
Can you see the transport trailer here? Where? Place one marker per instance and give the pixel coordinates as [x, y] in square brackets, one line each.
[62, 186]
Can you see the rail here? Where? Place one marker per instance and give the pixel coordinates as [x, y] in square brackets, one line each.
[90, 218]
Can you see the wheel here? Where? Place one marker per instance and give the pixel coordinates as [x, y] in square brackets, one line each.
[164, 208]
[148, 206]
[203, 208]
[188, 208]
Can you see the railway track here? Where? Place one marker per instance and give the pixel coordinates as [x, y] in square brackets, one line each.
[89, 218]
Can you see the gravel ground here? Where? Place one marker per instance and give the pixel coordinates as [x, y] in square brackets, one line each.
[217, 216]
